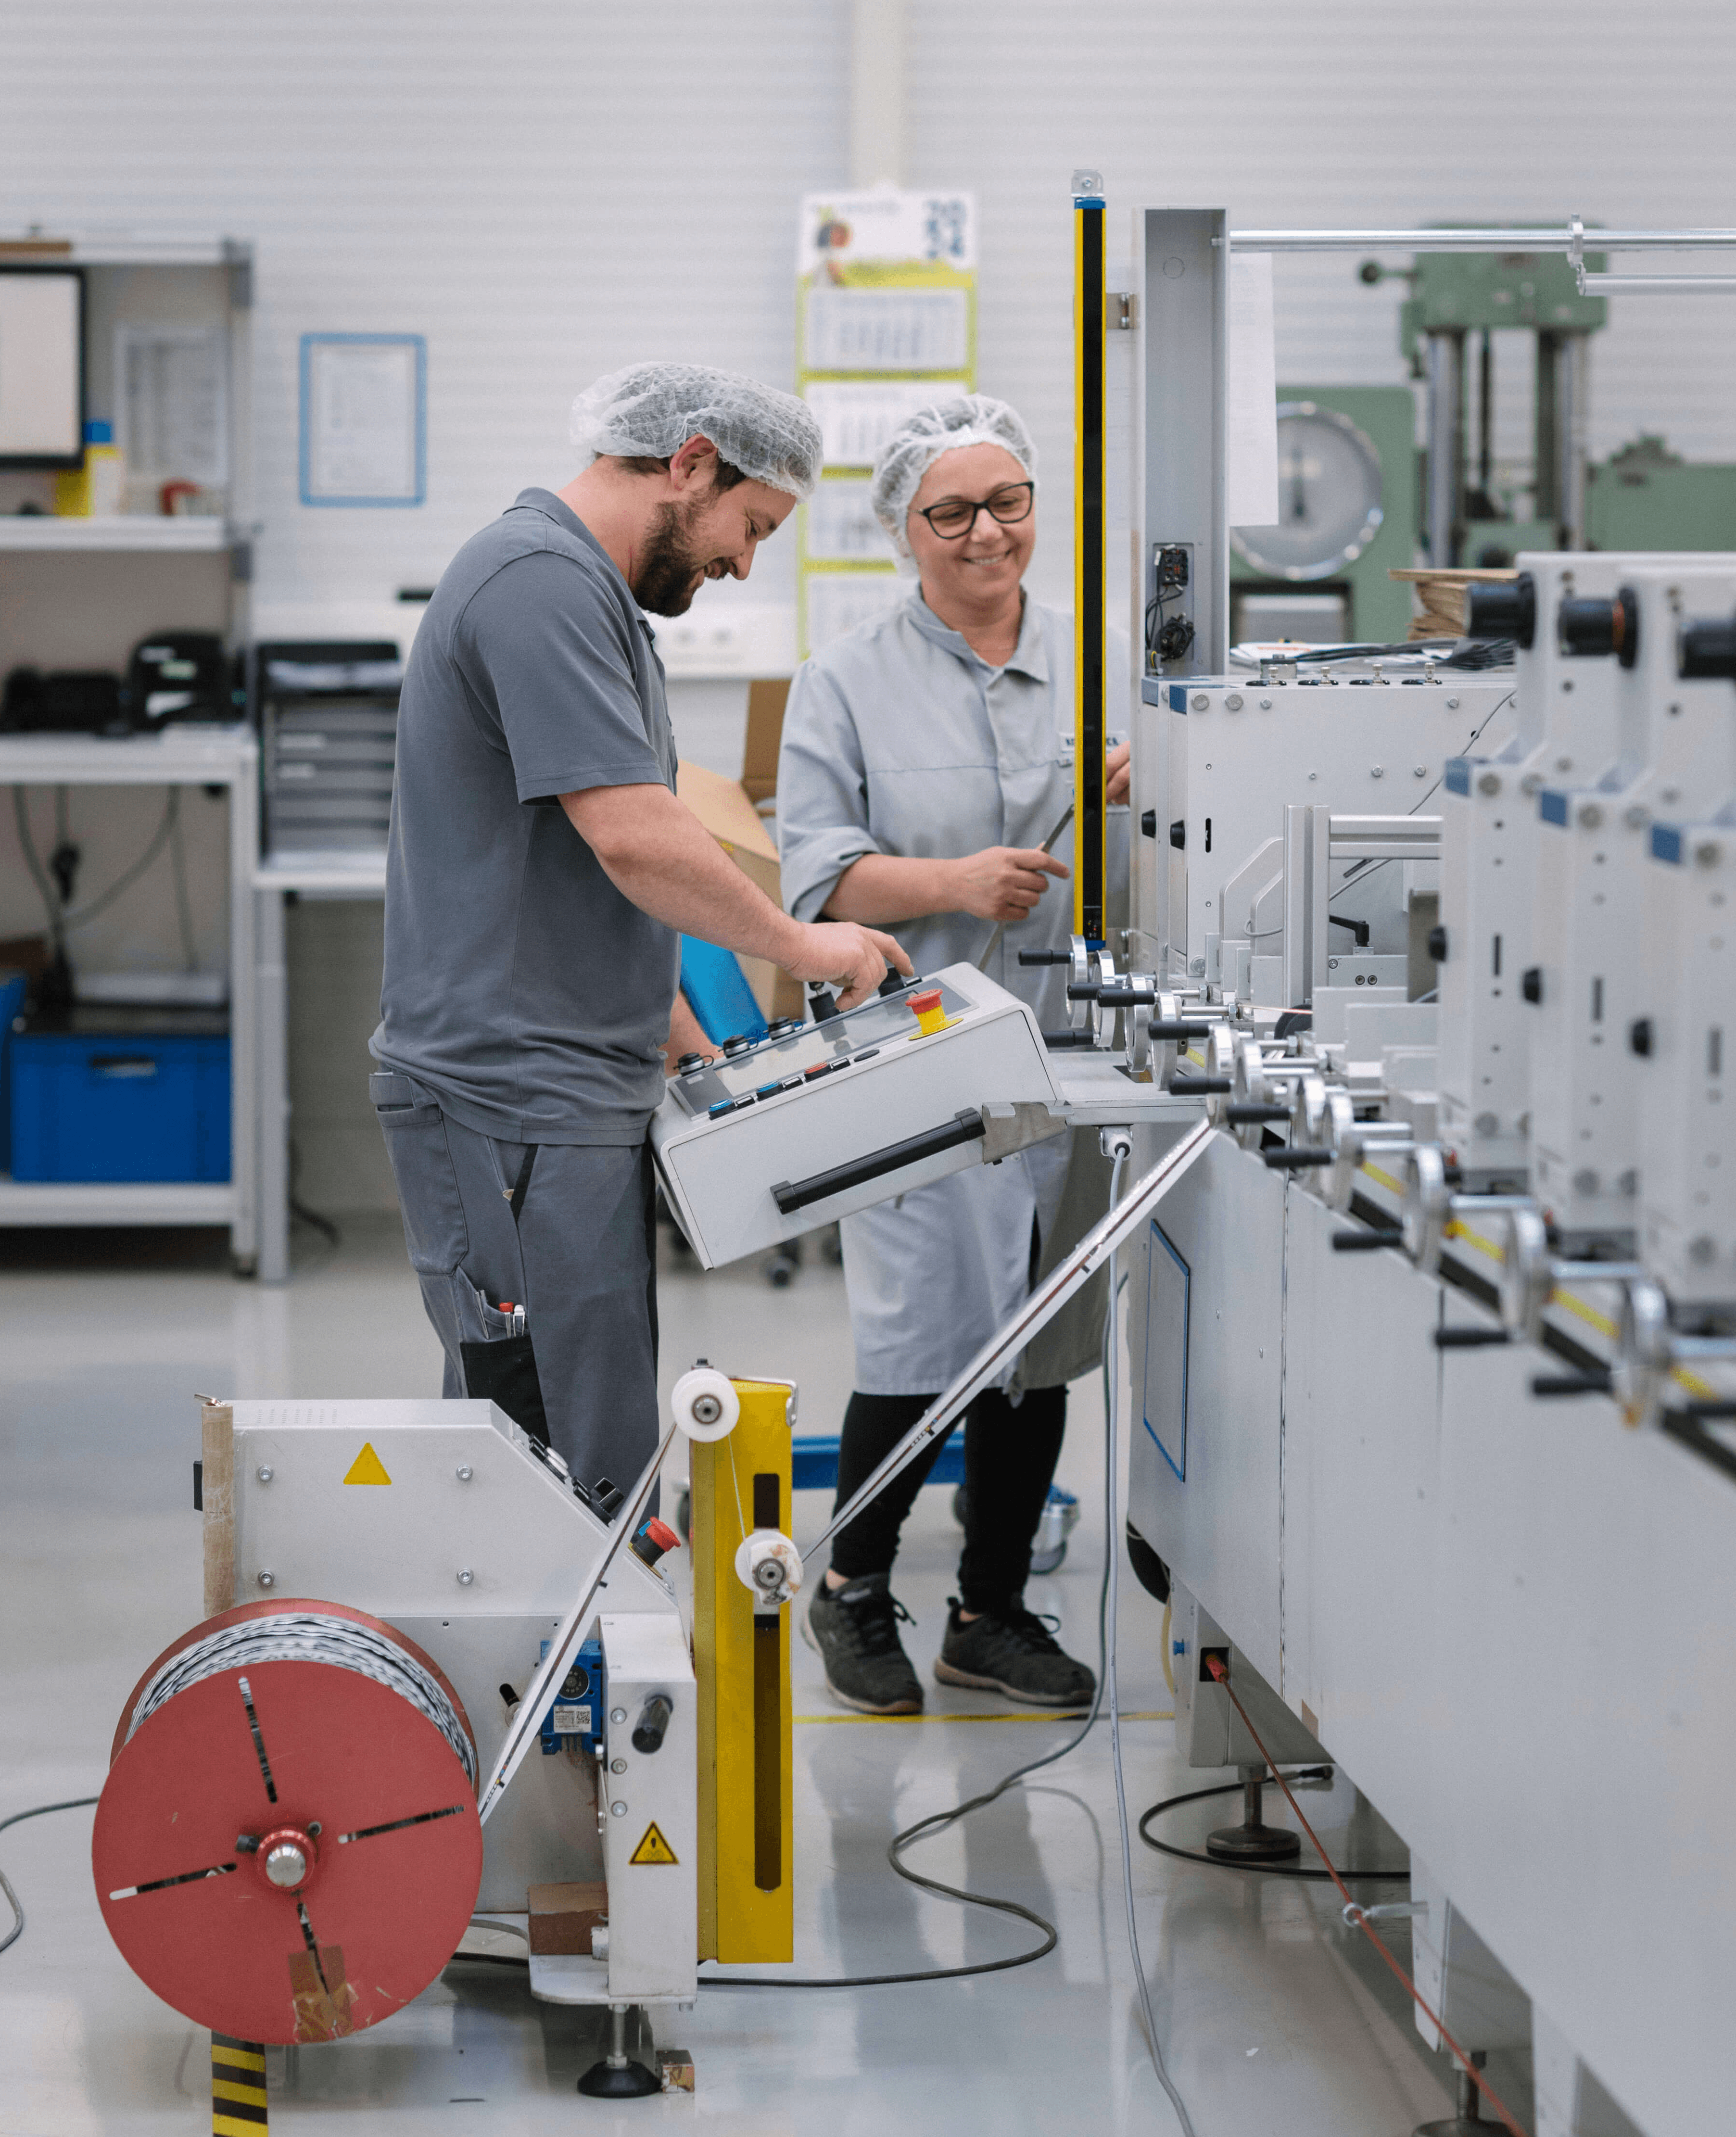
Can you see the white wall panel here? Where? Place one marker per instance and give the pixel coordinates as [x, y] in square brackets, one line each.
[1340, 114]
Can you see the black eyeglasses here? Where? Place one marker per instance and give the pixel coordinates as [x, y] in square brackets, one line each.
[953, 518]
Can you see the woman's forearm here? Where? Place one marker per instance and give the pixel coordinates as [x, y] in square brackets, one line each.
[880, 889]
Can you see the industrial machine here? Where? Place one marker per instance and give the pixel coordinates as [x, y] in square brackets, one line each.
[318, 1789]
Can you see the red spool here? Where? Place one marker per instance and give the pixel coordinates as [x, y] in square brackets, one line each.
[332, 1770]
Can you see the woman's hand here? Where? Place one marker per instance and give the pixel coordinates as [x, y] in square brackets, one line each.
[1003, 883]
[1117, 769]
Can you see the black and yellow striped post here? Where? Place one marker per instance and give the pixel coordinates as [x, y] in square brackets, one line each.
[237, 2087]
[1089, 560]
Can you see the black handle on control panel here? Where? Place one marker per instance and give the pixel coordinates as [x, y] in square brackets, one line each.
[1468, 1338]
[822, 1004]
[1293, 1159]
[790, 1196]
[1197, 1087]
[653, 1719]
[1245, 1116]
[1365, 1243]
[1046, 956]
[1571, 1384]
[894, 983]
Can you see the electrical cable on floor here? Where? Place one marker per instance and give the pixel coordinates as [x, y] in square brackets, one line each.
[1356, 1918]
[1260, 1869]
[17, 1817]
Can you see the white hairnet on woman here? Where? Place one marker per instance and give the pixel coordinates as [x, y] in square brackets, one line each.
[650, 411]
[972, 419]
[925, 779]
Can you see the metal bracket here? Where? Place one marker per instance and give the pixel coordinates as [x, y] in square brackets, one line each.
[1025, 1123]
[1120, 310]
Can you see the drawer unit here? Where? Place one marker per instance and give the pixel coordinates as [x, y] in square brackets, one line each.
[113, 1094]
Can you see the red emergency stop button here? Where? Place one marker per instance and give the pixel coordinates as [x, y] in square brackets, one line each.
[655, 1537]
[926, 1006]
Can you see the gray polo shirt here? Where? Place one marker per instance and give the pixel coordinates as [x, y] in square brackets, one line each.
[520, 986]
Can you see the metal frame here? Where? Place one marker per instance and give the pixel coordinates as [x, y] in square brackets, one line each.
[179, 756]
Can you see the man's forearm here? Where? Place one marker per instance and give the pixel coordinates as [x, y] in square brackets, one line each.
[686, 1034]
[656, 852]
[880, 889]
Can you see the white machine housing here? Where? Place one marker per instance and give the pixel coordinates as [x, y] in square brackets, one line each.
[476, 1550]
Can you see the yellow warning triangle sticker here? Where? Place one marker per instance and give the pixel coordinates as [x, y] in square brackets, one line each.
[367, 1468]
[653, 1848]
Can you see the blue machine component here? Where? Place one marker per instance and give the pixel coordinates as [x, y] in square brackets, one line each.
[11, 1004]
[577, 1713]
[717, 992]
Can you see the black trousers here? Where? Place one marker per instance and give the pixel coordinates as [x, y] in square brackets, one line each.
[1010, 1454]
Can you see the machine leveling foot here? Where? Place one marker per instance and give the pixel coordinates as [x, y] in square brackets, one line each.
[1469, 2121]
[617, 2076]
[1253, 1840]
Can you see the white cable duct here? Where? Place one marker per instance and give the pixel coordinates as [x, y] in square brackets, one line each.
[307, 1636]
[1098, 1247]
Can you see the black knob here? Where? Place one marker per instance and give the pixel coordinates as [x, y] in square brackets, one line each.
[1042, 957]
[1178, 835]
[1468, 1338]
[1639, 1037]
[1294, 1160]
[653, 1720]
[1086, 990]
[1571, 1384]
[1597, 627]
[1180, 1031]
[689, 1062]
[1365, 1243]
[738, 1044]
[509, 1697]
[1148, 823]
[894, 983]
[1531, 983]
[1437, 944]
[1507, 610]
[822, 1004]
[1195, 1086]
[1245, 1116]
[784, 1026]
[1707, 650]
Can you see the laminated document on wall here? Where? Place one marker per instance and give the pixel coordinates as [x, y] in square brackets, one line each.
[842, 528]
[839, 602]
[852, 329]
[363, 420]
[1251, 417]
[169, 396]
[857, 417]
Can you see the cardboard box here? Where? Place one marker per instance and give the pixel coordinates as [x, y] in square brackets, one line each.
[727, 809]
[563, 1916]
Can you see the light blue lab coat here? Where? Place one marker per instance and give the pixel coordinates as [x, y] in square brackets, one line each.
[899, 739]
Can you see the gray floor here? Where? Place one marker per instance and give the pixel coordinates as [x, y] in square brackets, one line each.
[1273, 2017]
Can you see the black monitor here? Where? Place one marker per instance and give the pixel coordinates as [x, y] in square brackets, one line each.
[42, 367]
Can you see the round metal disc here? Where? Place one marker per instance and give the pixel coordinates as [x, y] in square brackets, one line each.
[327, 1752]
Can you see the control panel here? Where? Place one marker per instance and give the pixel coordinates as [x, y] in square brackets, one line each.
[762, 1141]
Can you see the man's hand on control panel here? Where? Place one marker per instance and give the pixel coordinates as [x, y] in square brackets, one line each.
[852, 960]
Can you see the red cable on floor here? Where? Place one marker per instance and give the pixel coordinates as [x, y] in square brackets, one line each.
[1353, 1912]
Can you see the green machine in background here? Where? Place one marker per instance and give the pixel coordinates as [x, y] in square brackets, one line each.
[1357, 499]
[1347, 505]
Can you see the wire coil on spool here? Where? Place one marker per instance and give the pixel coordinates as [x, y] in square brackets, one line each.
[295, 1636]
[288, 1848]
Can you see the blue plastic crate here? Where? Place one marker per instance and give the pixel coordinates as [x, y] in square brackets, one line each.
[11, 1002]
[117, 1095]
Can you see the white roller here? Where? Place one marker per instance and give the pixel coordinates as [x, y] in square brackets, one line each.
[768, 1564]
[704, 1404]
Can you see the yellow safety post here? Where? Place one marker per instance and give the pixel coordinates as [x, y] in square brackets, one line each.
[742, 1659]
[237, 2087]
[1090, 559]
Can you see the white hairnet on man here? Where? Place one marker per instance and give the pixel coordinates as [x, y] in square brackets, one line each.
[650, 411]
[972, 419]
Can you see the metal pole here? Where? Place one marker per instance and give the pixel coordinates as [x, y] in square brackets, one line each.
[1090, 558]
[1542, 240]
[1447, 445]
[1573, 369]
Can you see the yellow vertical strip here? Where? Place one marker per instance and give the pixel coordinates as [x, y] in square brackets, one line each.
[746, 1900]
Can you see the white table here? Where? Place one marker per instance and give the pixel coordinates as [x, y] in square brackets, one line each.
[328, 875]
[178, 757]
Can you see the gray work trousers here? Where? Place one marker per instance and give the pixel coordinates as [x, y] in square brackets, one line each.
[565, 1230]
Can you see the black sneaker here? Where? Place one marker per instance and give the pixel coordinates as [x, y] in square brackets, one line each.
[1014, 1653]
[854, 1630]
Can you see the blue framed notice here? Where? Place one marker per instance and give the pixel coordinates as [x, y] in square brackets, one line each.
[1168, 1285]
[365, 419]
